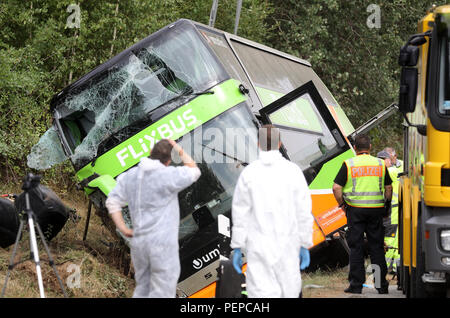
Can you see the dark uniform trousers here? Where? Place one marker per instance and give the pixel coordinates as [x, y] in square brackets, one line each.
[369, 221]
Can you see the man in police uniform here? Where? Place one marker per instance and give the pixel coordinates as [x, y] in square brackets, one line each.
[363, 190]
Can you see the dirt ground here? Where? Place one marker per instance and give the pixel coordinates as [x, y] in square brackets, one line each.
[331, 284]
[102, 275]
[88, 269]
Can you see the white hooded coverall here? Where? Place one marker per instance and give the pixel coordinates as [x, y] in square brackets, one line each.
[151, 192]
[271, 214]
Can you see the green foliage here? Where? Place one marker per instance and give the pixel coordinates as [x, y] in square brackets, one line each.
[39, 56]
[357, 63]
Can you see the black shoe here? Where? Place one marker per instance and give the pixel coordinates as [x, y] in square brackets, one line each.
[383, 290]
[353, 290]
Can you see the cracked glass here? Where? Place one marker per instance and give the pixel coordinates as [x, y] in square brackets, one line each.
[161, 73]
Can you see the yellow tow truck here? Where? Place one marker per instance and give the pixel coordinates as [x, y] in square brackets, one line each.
[424, 187]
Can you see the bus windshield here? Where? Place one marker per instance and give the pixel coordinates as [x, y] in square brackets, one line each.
[444, 71]
[168, 68]
[221, 148]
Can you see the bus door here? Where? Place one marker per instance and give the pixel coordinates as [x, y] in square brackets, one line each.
[312, 139]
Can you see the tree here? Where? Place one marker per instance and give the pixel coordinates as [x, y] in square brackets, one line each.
[355, 59]
[40, 54]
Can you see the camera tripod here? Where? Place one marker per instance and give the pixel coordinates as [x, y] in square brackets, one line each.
[31, 181]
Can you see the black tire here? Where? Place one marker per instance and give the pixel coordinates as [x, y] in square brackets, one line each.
[447, 293]
[407, 282]
[413, 278]
[401, 268]
[420, 261]
[329, 255]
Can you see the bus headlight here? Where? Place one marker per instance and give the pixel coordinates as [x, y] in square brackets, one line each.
[445, 240]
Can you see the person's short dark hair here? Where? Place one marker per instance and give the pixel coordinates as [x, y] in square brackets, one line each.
[269, 137]
[162, 151]
[362, 142]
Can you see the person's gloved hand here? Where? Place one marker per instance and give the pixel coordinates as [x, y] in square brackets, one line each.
[304, 258]
[237, 260]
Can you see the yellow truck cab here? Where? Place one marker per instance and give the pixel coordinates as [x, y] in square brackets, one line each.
[424, 188]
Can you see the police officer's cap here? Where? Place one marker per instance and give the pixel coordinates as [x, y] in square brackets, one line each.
[383, 155]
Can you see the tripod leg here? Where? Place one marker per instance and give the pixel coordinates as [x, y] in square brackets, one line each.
[35, 254]
[50, 259]
[13, 255]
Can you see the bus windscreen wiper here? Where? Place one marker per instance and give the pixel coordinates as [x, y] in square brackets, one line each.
[243, 163]
[189, 92]
[203, 93]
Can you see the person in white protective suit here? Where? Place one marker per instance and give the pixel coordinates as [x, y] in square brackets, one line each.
[151, 191]
[272, 221]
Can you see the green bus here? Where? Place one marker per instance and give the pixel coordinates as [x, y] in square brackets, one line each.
[184, 82]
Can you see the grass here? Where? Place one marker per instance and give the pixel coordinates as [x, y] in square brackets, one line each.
[88, 269]
[324, 283]
[97, 265]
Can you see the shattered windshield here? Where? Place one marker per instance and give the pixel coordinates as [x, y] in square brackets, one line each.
[221, 148]
[166, 69]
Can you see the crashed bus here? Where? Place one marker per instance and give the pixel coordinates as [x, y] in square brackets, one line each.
[179, 83]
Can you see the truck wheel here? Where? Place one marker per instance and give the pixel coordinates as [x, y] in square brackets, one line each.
[406, 282]
[413, 277]
[420, 262]
[401, 269]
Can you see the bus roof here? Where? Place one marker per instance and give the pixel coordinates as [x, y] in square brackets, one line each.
[114, 60]
[254, 44]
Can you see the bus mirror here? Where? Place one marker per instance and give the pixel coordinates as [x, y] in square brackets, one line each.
[418, 40]
[408, 90]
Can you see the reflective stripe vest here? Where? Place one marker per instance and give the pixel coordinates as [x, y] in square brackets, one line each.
[393, 173]
[365, 182]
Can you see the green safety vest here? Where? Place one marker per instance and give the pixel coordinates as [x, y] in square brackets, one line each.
[365, 182]
[393, 173]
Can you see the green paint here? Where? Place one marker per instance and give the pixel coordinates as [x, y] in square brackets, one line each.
[105, 183]
[174, 125]
[326, 175]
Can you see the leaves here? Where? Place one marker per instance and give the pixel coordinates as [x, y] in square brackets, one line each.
[357, 63]
[39, 55]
